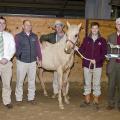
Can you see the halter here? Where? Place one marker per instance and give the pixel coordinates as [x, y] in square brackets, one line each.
[94, 65]
[74, 44]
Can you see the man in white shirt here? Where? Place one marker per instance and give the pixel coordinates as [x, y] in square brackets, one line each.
[7, 50]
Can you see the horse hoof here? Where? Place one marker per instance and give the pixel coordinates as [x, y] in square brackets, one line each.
[45, 94]
[61, 107]
[68, 97]
[54, 96]
[67, 102]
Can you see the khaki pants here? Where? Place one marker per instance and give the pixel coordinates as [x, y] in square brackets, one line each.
[6, 75]
[22, 70]
[92, 77]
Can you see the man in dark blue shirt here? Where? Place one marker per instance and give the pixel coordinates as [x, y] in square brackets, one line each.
[27, 52]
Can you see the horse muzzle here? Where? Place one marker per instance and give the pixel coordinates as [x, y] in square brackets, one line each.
[67, 51]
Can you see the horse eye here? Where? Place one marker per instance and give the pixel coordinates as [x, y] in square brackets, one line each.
[76, 35]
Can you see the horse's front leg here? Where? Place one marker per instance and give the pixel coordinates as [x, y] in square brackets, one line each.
[60, 75]
[40, 77]
[66, 86]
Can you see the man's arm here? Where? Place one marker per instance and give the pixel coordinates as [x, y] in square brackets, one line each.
[10, 51]
[38, 50]
[18, 46]
[48, 37]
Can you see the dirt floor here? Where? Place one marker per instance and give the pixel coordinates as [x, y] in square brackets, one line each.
[47, 108]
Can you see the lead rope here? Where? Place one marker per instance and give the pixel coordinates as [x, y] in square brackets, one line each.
[88, 60]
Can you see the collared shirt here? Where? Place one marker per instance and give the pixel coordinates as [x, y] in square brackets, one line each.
[118, 38]
[118, 42]
[94, 37]
[9, 45]
[58, 37]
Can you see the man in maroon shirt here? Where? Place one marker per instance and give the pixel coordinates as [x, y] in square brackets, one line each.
[94, 47]
[113, 69]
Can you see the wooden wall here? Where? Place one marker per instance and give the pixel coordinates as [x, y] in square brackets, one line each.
[41, 26]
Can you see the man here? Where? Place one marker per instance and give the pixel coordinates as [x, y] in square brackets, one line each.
[53, 38]
[7, 50]
[27, 52]
[94, 47]
[113, 69]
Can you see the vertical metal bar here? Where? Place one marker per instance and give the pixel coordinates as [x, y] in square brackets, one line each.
[86, 27]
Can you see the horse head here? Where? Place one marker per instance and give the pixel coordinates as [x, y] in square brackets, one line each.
[72, 35]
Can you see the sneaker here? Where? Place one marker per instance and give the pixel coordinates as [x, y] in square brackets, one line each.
[19, 103]
[96, 106]
[9, 106]
[119, 109]
[84, 104]
[110, 107]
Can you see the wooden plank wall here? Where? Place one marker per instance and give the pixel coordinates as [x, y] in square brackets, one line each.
[41, 26]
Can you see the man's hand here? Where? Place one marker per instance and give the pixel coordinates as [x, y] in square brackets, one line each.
[76, 48]
[4, 61]
[39, 63]
[93, 61]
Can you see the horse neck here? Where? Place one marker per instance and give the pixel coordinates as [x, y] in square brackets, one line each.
[62, 42]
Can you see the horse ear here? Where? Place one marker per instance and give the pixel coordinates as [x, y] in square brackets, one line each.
[79, 25]
[68, 24]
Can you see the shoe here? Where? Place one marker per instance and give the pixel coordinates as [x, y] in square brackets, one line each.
[96, 106]
[19, 103]
[119, 109]
[84, 104]
[33, 102]
[109, 107]
[9, 106]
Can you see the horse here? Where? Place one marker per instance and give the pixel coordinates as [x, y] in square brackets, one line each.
[59, 57]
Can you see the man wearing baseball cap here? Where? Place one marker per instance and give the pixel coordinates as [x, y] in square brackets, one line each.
[113, 69]
[53, 38]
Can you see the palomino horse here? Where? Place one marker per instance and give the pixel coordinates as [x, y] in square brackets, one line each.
[59, 57]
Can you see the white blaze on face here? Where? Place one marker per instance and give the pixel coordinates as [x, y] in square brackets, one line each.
[72, 36]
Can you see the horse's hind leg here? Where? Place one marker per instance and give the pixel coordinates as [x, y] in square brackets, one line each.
[66, 86]
[60, 76]
[40, 77]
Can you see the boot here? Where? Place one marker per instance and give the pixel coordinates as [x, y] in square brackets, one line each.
[87, 98]
[95, 99]
[86, 103]
[96, 103]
